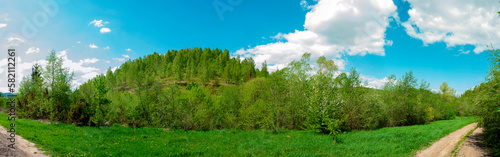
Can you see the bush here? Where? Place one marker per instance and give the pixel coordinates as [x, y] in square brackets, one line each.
[491, 104]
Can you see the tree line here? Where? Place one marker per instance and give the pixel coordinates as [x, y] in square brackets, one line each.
[487, 97]
[196, 88]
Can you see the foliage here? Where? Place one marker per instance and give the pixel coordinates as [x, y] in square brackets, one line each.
[489, 94]
[3, 102]
[46, 97]
[193, 89]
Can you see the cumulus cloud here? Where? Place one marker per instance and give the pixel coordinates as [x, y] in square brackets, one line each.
[126, 56]
[90, 75]
[3, 25]
[114, 69]
[93, 46]
[331, 29]
[33, 50]
[128, 50]
[98, 23]
[105, 30]
[106, 48]
[101, 23]
[89, 61]
[78, 42]
[82, 72]
[456, 22]
[373, 82]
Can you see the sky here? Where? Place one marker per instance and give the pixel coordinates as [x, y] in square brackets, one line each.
[439, 41]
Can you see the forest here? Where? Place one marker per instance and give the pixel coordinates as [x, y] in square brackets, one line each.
[206, 89]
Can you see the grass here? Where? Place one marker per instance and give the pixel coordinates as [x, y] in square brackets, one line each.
[70, 140]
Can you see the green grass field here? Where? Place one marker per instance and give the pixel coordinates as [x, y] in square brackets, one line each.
[70, 140]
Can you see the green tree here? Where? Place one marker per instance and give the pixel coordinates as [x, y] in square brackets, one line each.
[323, 110]
[227, 73]
[100, 99]
[264, 72]
[299, 89]
[278, 92]
[446, 90]
[178, 66]
[490, 102]
[32, 97]
[58, 80]
[54, 63]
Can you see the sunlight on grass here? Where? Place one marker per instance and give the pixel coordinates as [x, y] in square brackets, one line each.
[69, 140]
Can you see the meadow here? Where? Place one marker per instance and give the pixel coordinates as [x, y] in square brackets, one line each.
[70, 140]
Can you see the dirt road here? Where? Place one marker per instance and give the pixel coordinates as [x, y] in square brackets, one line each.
[23, 147]
[445, 145]
[473, 146]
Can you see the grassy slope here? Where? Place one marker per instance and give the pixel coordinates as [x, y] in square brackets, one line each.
[64, 140]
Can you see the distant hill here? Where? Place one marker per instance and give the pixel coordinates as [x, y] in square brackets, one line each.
[194, 65]
[8, 95]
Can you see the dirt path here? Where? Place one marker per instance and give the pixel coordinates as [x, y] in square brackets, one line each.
[473, 146]
[445, 145]
[24, 148]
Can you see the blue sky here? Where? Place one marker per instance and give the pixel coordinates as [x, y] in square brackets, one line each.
[440, 41]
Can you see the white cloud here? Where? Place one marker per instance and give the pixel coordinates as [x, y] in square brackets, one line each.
[14, 41]
[331, 29]
[90, 75]
[98, 23]
[305, 5]
[78, 42]
[340, 63]
[33, 50]
[82, 72]
[3, 25]
[62, 54]
[114, 69]
[278, 36]
[464, 52]
[93, 46]
[125, 56]
[119, 59]
[105, 30]
[388, 42]
[128, 50]
[89, 61]
[106, 48]
[456, 22]
[374, 82]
